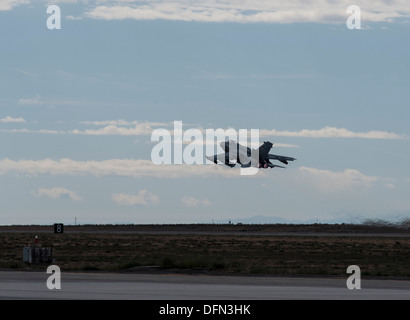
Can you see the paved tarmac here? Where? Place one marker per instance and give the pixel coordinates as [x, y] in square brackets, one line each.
[113, 286]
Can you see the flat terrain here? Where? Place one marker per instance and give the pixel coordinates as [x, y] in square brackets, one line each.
[325, 250]
[113, 286]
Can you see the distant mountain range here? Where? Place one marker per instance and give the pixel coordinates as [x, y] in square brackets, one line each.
[258, 219]
[402, 222]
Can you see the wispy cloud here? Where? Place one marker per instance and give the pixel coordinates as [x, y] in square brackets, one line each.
[285, 145]
[9, 119]
[111, 127]
[143, 198]
[116, 167]
[57, 193]
[36, 100]
[331, 132]
[328, 181]
[250, 11]
[143, 129]
[122, 122]
[43, 131]
[27, 73]
[119, 127]
[119, 122]
[136, 128]
[192, 202]
[224, 76]
[6, 5]
[246, 11]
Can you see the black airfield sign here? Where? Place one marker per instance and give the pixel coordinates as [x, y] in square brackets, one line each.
[58, 228]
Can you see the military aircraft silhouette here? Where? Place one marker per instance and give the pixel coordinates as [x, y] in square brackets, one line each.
[248, 157]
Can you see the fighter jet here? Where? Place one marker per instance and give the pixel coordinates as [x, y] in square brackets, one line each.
[247, 157]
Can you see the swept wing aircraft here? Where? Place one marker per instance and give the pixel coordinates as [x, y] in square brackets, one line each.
[247, 157]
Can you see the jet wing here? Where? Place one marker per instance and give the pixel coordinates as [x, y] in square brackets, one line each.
[275, 166]
[222, 157]
[248, 157]
[282, 159]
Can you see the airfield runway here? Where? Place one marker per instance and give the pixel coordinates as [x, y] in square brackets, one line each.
[116, 286]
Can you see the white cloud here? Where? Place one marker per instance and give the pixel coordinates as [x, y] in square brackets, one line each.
[112, 127]
[116, 167]
[139, 129]
[285, 145]
[6, 5]
[191, 202]
[57, 193]
[245, 11]
[390, 185]
[36, 100]
[26, 72]
[44, 131]
[122, 122]
[11, 119]
[119, 122]
[143, 198]
[16, 130]
[330, 181]
[122, 128]
[251, 11]
[116, 127]
[331, 132]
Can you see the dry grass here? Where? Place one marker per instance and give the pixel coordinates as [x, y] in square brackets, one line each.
[257, 254]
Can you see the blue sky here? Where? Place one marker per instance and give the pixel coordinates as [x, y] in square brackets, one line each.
[78, 106]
